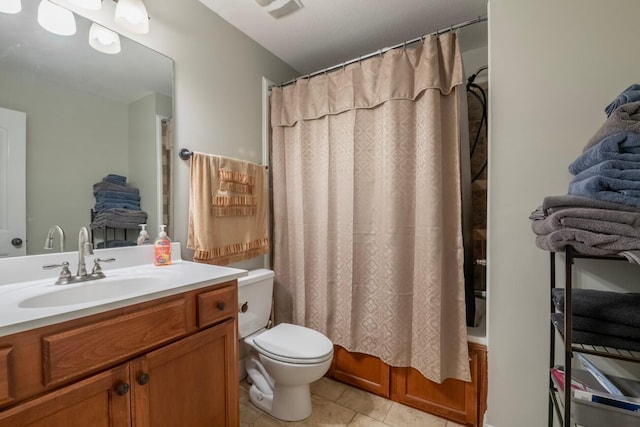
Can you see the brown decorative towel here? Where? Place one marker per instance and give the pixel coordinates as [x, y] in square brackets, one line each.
[227, 210]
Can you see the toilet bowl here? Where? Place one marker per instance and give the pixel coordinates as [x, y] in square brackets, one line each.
[281, 361]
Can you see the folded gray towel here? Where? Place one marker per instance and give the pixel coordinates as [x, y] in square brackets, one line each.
[552, 204]
[623, 146]
[630, 94]
[105, 185]
[589, 338]
[608, 306]
[602, 221]
[625, 118]
[586, 242]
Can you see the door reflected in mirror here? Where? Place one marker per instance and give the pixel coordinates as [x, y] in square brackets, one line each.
[88, 115]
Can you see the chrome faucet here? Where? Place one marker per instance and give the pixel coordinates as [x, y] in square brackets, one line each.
[48, 243]
[85, 247]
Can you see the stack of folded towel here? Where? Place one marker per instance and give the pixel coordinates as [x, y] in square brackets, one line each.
[609, 166]
[601, 213]
[117, 205]
[112, 192]
[601, 318]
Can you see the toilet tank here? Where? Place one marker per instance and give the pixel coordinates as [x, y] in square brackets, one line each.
[255, 290]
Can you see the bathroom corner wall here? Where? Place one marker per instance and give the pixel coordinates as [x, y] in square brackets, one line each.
[553, 67]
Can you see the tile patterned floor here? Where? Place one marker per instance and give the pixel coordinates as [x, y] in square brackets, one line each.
[336, 404]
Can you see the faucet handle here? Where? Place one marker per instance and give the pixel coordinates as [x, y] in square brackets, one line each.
[97, 269]
[65, 275]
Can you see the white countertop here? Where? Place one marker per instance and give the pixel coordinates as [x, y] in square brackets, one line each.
[26, 302]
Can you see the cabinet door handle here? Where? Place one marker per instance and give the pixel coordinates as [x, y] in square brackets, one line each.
[143, 378]
[122, 389]
[221, 305]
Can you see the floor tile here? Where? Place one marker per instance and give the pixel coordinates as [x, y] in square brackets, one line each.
[249, 414]
[363, 421]
[404, 416]
[373, 406]
[325, 413]
[339, 405]
[327, 388]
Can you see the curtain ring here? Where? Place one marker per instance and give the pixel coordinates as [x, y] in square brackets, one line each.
[422, 39]
[404, 45]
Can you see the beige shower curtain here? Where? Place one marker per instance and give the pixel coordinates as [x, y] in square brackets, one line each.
[367, 211]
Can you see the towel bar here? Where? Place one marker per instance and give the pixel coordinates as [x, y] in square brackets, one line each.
[185, 154]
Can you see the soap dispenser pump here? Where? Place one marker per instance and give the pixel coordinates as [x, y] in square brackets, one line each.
[143, 237]
[162, 248]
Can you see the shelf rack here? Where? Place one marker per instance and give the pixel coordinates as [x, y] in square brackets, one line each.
[570, 347]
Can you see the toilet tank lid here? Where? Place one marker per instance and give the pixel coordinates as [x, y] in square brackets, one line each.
[255, 275]
[295, 342]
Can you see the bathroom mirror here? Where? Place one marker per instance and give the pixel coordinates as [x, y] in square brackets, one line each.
[88, 114]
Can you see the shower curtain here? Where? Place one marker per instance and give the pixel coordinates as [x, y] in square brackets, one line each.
[367, 211]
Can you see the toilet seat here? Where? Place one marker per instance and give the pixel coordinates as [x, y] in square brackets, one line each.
[294, 344]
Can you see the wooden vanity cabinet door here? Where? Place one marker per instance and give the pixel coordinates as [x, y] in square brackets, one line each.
[192, 382]
[93, 402]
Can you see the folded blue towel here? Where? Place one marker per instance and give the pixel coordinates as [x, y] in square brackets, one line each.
[630, 94]
[122, 204]
[116, 179]
[619, 146]
[119, 195]
[605, 188]
[620, 169]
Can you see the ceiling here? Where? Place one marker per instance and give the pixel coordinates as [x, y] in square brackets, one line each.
[328, 32]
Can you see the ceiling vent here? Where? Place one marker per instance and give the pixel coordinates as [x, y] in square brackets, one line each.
[281, 7]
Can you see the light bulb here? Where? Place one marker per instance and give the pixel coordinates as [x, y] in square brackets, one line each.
[132, 15]
[56, 19]
[10, 6]
[103, 39]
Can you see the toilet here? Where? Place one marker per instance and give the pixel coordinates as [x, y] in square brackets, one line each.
[281, 361]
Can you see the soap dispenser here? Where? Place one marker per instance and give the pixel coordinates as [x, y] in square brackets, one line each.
[143, 237]
[162, 248]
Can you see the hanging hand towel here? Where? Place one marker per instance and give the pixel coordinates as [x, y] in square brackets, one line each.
[227, 210]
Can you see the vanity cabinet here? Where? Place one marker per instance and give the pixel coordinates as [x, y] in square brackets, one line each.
[167, 362]
[459, 401]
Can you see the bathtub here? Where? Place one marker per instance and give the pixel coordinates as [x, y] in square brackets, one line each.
[478, 333]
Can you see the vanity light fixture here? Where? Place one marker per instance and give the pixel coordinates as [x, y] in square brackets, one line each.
[103, 39]
[88, 4]
[10, 6]
[132, 15]
[56, 19]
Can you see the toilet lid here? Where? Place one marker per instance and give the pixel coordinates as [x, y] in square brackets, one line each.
[294, 342]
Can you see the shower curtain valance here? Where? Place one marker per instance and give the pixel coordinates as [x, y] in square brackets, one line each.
[398, 74]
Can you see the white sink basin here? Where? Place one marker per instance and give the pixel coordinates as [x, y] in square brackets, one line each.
[29, 298]
[95, 290]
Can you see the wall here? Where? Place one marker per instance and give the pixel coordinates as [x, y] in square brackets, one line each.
[553, 68]
[65, 127]
[218, 72]
[143, 157]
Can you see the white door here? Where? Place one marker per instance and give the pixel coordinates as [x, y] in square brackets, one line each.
[13, 190]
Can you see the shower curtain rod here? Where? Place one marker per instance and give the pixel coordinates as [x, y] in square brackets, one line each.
[381, 51]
